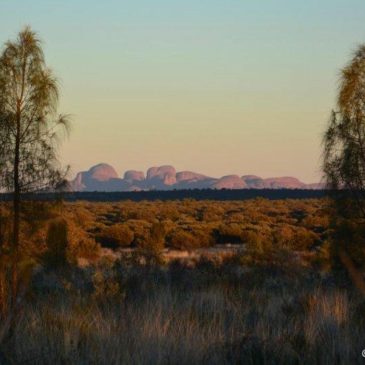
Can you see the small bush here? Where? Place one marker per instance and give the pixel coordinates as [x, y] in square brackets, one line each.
[117, 235]
[183, 240]
[202, 237]
[229, 233]
[304, 239]
[149, 251]
[256, 241]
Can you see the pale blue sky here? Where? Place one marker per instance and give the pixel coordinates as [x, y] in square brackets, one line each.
[230, 86]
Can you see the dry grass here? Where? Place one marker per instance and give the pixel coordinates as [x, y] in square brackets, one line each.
[192, 316]
[275, 302]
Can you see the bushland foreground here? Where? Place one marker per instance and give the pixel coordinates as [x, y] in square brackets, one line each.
[101, 290]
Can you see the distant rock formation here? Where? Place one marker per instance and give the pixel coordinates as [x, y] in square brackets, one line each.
[133, 175]
[103, 177]
[102, 172]
[230, 182]
[190, 176]
[159, 177]
[287, 182]
[193, 180]
[254, 182]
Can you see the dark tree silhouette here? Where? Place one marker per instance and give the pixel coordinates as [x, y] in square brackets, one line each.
[344, 158]
[344, 163]
[29, 130]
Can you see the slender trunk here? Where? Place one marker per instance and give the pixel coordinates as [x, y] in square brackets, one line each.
[14, 282]
[9, 337]
[16, 217]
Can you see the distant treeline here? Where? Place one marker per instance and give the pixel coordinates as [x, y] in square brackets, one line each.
[196, 194]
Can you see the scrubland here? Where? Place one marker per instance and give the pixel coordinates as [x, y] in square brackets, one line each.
[275, 300]
[187, 225]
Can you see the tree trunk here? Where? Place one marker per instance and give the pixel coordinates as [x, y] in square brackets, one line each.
[16, 216]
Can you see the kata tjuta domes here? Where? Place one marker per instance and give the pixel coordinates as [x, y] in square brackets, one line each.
[103, 177]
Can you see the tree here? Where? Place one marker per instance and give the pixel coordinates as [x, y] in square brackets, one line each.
[344, 140]
[344, 162]
[29, 129]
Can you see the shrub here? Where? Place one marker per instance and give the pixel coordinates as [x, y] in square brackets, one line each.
[141, 230]
[283, 235]
[229, 233]
[304, 239]
[83, 217]
[156, 240]
[210, 214]
[183, 240]
[81, 243]
[116, 235]
[86, 247]
[256, 241]
[149, 251]
[202, 237]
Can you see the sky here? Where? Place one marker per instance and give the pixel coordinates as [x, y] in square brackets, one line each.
[213, 86]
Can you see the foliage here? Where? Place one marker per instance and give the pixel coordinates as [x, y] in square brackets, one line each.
[298, 225]
[344, 167]
[151, 250]
[117, 235]
[183, 240]
[29, 134]
[29, 125]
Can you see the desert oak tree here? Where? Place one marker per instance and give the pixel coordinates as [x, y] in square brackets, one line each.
[344, 165]
[344, 140]
[29, 127]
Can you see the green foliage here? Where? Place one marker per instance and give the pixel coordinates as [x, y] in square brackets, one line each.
[29, 126]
